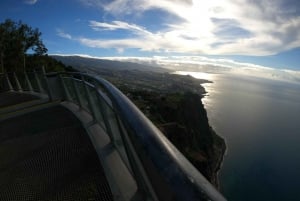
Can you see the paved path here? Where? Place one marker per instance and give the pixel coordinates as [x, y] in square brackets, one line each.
[12, 98]
[47, 155]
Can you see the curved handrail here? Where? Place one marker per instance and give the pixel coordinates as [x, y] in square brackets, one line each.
[155, 149]
[166, 173]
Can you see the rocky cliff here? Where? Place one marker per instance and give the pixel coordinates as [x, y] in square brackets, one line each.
[183, 119]
[173, 103]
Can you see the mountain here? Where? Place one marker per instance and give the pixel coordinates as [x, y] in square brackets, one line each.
[82, 63]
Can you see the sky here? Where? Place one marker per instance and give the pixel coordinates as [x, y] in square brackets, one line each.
[252, 33]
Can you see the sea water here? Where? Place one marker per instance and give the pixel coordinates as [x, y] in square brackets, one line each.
[260, 121]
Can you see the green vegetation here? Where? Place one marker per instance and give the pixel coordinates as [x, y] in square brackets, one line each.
[21, 48]
[50, 64]
[183, 119]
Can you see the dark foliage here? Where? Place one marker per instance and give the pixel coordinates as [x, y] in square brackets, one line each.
[17, 39]
[34, 62]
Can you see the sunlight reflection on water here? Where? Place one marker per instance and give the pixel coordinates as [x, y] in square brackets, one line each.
[209, 87]
[259, 119]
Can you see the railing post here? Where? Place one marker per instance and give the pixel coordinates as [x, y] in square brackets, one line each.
[28, 82]
[66, 92]
[50, 95]
[18, 85]
[40, 88]
[135, 163]
[104, 114]
[10, 88]
[89, 99]
[76, 92]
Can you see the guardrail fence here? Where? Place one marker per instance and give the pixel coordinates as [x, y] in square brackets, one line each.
[160, 170]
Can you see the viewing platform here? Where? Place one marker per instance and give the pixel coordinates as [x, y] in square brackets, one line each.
[73, 136]
[46, 154]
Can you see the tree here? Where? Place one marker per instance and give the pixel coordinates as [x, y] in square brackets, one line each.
[16, 39]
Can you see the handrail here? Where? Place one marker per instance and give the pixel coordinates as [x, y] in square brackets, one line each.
[160, 159]
[160, 170]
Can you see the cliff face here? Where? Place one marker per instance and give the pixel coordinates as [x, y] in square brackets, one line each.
[202, 146]
[183, 119]
[173, 104]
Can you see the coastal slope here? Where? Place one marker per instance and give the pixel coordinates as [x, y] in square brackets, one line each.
[183, 120]
[173, 103]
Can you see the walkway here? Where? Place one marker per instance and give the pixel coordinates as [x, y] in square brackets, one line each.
[47, 155]
[12, 98]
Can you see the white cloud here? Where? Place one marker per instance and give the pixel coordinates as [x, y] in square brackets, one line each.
[209, 65]
[98, 26]
[31, 2]
[121, 43]
[92, 3]
[224, 27]
[62, 34]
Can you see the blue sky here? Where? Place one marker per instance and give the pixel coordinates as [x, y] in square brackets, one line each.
[261, 32]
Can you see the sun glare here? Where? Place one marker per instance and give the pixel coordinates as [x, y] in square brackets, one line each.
[198, 75]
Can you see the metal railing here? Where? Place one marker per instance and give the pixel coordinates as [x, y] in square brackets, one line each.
[34, 81]
[159, 169]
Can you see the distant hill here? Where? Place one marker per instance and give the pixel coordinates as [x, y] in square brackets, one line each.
[79, 63]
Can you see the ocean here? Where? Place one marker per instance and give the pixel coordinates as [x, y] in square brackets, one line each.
[260, 122]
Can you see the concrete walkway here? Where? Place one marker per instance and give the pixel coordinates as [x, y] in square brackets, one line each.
[12, 98]
[47, 155]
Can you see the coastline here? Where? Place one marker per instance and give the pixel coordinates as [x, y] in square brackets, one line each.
[220, 164]
[223, 153]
